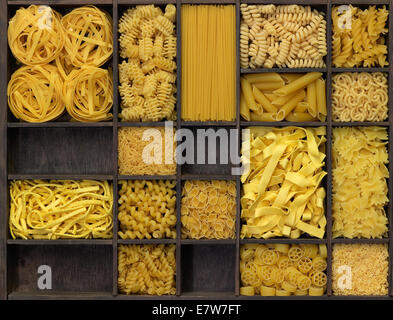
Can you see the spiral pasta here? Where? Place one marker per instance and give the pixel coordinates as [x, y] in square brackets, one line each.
[359, 96]
[60, 209]
[147, 269]
[147, 209]
[35, 93]
[88, 36]
[88, 94]
[35, 35]
[282, 269]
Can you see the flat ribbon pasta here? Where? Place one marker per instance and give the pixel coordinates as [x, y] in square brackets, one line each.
[34, 93]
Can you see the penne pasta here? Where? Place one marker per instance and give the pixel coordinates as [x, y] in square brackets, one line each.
[298, 84]
[244, 110]
[321, 96]
[265, 103]
[312, 99]
[247, 92]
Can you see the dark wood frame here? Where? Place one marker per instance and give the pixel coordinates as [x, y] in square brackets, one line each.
[9, 247]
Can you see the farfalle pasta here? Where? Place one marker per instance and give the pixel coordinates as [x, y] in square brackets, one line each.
[208, 209]
[147, 76]
[289, 36]
[358, 38]
[282, 192]
[147, 269]
[360, 96]
[283, 269]
[147, 209]
[359, 182]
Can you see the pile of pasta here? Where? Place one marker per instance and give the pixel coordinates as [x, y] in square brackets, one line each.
[208, 79]
[147, 78]
[208, 209]
[282, 192]
[147, 209]
[360, 269]
[60, 209]
[359, 96]
[146, 151]
[283, 269]
[359, 182]
[285, 96]
[359, 36]
[284, 36]
[62, 57]
[147, 269]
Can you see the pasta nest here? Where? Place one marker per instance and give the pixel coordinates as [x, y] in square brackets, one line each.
[35, 35]
[34, 93]
[88, 39]
[88, 94]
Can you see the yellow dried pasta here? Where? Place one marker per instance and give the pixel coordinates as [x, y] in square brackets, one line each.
[282, 192]
[147, 209]
[359, 182]
[208, 209]
[60, 209]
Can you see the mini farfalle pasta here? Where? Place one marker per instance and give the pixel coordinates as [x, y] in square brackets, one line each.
[208, 209]
[148, 43]
[147, 209]
[281, 270]
[147, 269]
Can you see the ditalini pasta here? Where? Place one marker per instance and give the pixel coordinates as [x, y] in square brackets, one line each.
[359, 36]
[359, 182]
[360, 269]
[282, 192]
[359, 96]
[147, 209]
[283, 269]
[60, 209]
[278, 97]
[208, 209]
[147, 269]
[208, 62]
[152, 155]
[147, 76]
[289, 36]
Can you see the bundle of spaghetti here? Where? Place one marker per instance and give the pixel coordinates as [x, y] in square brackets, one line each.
[208, 62]
[283, 269]
[147, 209]
[359, 182]
[35, 93]
[35, 35]
[282, 192]
[60, 209]
[147, 269]
[284, 36]
[146, 151]
[147, 76]
[208, 209]
[281, 96]
[360, 96]
[358, 38]
[87, 94]
[88, 36]
[360, 269]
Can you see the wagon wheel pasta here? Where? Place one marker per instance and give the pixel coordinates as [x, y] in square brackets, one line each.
[209, 210]
[147, 209]
[147, 76]
[358, 38]
[147, 269]
[60, 209]
[282, 192]
[289, 36]
[281, 277]
[88, 36]
[35, 35]
[359, 96]
[359, 182]
[88, 94]
[35, 93]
